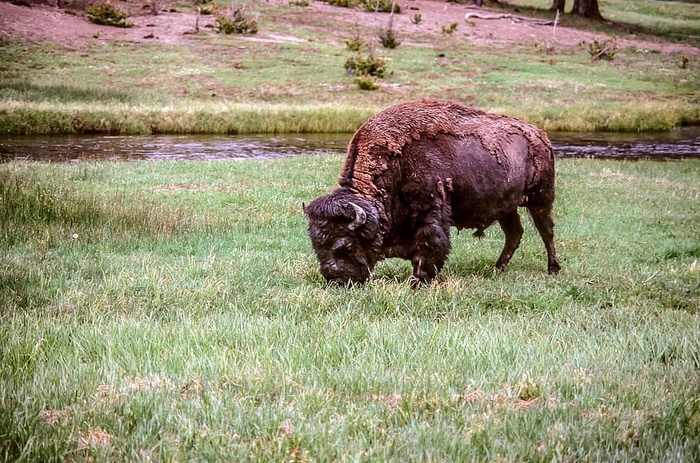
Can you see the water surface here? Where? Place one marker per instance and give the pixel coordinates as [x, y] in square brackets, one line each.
[678, 144]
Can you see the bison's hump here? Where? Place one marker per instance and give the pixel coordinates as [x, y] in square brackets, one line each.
[388, 132]
[398, 125]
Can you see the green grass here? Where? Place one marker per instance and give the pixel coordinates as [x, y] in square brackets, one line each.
[672, 20]
[174, 311]
[225, 84]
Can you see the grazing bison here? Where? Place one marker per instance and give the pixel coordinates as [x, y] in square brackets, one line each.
[417, 168]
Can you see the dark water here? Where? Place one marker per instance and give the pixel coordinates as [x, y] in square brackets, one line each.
[680, 144]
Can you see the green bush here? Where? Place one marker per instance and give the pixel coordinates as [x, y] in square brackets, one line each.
[357, 43]
[604, 49]
[107, 14]
[448, 30]
[237, 23]
[207, 10]
[366, 65]
[343, 3]
[366, 83]
[381, 6]
[388, 39]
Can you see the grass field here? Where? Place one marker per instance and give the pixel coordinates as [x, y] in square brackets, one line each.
[173, 311]
[212, 83]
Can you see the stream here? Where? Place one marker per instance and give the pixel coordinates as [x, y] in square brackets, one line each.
[661, 146]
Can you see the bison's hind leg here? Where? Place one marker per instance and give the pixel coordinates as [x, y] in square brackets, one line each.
[513, 229]
[542, 217]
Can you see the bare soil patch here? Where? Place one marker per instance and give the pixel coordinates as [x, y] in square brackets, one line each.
[49, 24]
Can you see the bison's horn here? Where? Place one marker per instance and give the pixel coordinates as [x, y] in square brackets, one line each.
[360, 217]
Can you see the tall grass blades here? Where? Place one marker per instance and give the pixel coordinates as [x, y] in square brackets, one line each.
[22, 119]
[174, 311]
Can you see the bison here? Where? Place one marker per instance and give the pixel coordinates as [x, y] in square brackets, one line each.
[414, 170]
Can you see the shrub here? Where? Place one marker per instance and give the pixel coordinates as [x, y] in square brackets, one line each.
[601, 49]
[343, 3]
[369, 65]
[207, 10]
[389, 39]
[237, 23]
[366, 83]
[356, 43]
[451, 29]
[417, 18]
[107, 14]
[382, 6]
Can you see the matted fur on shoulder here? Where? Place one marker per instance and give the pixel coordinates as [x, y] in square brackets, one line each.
[398, 125]
[386, 134]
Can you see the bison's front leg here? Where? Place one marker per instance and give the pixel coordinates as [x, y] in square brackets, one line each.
[431, 246]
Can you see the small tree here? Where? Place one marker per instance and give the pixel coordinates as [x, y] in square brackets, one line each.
[388, 37]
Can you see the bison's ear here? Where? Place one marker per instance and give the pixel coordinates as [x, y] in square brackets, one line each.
[360, 217]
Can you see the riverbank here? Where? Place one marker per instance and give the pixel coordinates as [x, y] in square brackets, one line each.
[175, 311]
[71, 76]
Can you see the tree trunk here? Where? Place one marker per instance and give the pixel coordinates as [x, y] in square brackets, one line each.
[558, 5]
[587, 9]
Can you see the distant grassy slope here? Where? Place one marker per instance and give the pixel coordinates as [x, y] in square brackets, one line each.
[224, 84]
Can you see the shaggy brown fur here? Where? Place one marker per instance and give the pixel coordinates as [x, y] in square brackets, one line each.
[399, 125]
[417, 169]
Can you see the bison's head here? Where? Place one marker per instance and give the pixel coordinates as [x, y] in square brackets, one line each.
[344, 233]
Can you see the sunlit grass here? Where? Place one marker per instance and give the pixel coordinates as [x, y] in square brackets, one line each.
[59, 118]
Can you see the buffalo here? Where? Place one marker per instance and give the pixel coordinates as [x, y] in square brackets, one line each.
[418, 168]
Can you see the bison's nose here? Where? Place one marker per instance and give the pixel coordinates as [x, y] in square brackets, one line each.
[346, 280]
[337, 282]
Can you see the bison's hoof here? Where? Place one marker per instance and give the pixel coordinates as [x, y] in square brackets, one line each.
[554, 268]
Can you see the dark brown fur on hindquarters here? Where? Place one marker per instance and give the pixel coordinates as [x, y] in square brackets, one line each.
[414, 170]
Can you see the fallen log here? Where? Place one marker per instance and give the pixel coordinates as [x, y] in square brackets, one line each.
[536, 21]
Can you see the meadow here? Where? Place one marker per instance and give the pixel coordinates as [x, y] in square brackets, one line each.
[291, 78]
[173, 311]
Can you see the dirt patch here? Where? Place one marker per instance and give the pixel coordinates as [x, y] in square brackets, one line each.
[47, 24]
